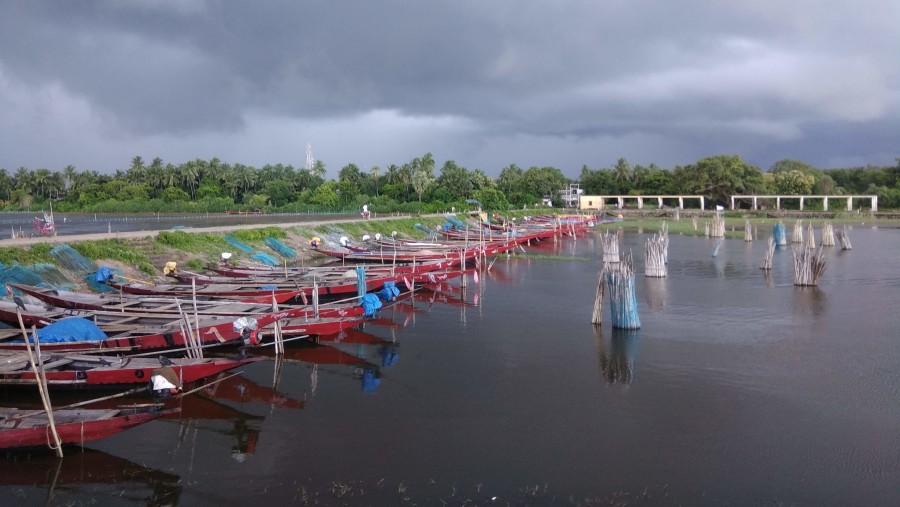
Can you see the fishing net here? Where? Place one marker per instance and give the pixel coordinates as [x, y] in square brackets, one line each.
[40, 275]
[237, 244]
[73, 261]
[265, 258]
[280, 248]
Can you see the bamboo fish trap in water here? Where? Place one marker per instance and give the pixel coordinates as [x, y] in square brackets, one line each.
[827, 234]
[770, 253]
[610, 242]
[809, 265]
[797, 232]
[655, 256]
[844, 239]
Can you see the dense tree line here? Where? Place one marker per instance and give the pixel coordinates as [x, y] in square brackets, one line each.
[417, 186]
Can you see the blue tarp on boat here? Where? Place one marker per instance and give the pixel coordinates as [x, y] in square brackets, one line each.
[72, 329]
[370, 304]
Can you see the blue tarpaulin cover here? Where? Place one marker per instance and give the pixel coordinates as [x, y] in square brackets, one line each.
[104, 274]
[72, 329]
[389, 291]
[370, 304]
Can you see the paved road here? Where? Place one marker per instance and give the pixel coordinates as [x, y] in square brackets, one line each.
[74, 238]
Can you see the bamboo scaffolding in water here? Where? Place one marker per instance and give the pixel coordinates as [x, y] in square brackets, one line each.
[770, 253]
[827, 234]
[809, 265]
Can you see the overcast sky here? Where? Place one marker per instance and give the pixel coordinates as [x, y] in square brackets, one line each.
[485, 83]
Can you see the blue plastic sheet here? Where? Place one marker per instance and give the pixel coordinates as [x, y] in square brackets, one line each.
[389, 291]
[72, 329]
[370, 304]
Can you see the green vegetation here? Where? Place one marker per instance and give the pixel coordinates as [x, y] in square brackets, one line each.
[115, 249]
[416, 187]
[38, 254]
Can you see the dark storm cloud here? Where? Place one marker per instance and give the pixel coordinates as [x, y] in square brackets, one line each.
[484, 83]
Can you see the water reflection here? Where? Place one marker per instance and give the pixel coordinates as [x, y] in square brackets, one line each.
[42, 470]
[616, 354]
[245, 427]
[809, 301]
[656, 290]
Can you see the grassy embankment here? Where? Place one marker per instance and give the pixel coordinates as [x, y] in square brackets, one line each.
[195, 250]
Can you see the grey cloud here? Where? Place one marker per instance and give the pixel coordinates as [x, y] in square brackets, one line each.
[666, 80]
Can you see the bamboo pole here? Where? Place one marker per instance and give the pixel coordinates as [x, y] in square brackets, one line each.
[41, 382]
[597, 316]
[770, 253]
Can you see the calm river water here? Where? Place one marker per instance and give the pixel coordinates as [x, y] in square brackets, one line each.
[739, 389]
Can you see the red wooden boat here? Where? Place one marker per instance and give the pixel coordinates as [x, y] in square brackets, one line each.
[133, 332]
[30, 428]
[455, 256]
[77, 371]
[264, 273]
[130, 303]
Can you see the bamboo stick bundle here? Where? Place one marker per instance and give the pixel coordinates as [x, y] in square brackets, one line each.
[718, 226]
[797, 233]
[827, 234]
[810, 237]
[664, 234]
[622, 298]
[748, 231]
[655, 257]
[597, 316]
[610, 242]
[770, 253]
[706, 228]
[844, 238]
[694, 221]
[809, 265]
[678, 214]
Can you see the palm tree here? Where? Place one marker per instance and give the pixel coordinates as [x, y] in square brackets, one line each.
[420, 182]
[622, 170]
[318, 169]
[393, 174]
[69, 174]
[375, 169]
[23, 180]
